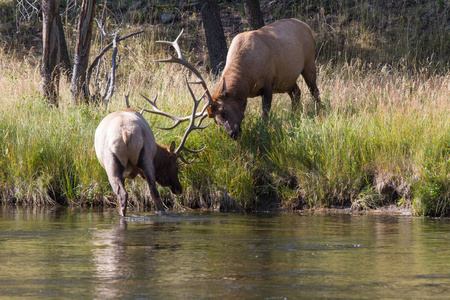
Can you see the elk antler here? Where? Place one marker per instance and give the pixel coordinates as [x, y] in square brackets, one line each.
[177, 120]
[192, 125]
[126, 99]
[157, 111]
[181, 60]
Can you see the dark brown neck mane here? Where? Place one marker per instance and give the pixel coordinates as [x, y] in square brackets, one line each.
[161, 160]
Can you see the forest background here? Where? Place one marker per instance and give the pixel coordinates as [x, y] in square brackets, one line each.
[383, 139]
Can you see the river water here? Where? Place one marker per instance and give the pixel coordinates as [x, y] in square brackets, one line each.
[88, 254]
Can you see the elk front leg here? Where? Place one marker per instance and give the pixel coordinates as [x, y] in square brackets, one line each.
[156, 199]
[266, 102]
[150, 178]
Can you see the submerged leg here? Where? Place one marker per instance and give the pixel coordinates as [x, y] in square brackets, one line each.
[122, 195]
[114, 169]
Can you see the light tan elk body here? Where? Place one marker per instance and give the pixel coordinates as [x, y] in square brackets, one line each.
[126, 147]
[262, 62]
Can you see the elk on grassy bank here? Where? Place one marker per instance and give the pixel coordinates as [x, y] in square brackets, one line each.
[126, 147]
[262, 62]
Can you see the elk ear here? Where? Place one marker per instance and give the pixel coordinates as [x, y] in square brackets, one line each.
[212, 109]
[172, 147]
[224, 88]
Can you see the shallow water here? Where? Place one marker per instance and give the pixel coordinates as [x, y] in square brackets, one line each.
[67, 253]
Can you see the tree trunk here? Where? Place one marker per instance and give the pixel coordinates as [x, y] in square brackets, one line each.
[66, 65]
[51, 51]
[78, 86]
[215, 38]
[253, 14]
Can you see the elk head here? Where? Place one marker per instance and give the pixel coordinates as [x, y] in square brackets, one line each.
[227, 113]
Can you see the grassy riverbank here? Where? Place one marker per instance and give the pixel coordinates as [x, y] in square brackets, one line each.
[383, 138]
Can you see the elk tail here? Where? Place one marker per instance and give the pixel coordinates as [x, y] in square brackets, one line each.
[126, 136]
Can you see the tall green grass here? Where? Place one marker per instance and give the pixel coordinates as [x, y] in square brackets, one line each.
[383, 138]
[47, 154]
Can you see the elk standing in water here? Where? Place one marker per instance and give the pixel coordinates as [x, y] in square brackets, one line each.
[262, 62]
[125, 147]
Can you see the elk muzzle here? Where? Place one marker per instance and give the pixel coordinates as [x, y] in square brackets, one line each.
[235, 133]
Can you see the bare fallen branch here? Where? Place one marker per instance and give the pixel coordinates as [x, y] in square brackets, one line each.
[106, 49]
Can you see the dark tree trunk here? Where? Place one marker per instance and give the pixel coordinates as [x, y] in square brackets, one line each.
[253, 14]
[78, 86]
[66, 65]
[215, 38]
[51, 51]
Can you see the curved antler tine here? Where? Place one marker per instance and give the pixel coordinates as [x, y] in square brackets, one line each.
[181, 60]
[126, 99]
[192, 93]
[167, 128]
[202, 114]
[181, 32]
[204, 127]
[184, 160]
[174, 44]
[153, 103]
[194, 151]
[157, 111]
[200, 122]
[203, 111]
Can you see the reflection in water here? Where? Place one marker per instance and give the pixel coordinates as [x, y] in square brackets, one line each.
[87, 254]
[108, 257]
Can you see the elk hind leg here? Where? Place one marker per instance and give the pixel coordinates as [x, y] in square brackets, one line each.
[310, 76]
[295, 95]
[117, 182]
